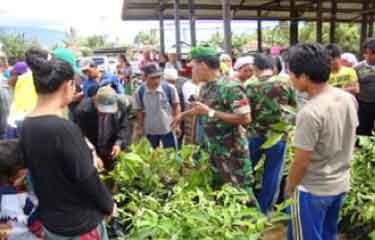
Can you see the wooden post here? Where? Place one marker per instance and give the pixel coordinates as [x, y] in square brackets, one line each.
[193, 36]
[161, 26]
[293, 23]
[363, 27]
[319, 24]
[227, 27]
[332, 31]
[177, 28]
[259, 31]
[371, 26]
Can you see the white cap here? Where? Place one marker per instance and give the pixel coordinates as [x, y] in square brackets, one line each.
[170, 74]
[350, 57]
[172, 51]
[224, 57]
[85, 63]
[242, 61]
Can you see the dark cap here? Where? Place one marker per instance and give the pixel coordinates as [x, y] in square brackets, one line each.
[152, 70]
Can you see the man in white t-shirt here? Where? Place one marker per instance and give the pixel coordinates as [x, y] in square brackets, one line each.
[194, 133]
[189, 89]
[319, 177]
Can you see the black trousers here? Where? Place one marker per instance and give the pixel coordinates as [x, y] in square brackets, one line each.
[366, 115]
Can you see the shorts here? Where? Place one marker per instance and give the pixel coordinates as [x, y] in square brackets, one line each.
[99, 233]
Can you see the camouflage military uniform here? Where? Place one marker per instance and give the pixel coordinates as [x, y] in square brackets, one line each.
[268, 96]
[227, 143]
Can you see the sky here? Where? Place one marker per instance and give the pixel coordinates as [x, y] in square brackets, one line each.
[102, 17]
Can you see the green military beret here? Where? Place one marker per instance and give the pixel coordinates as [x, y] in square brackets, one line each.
[203, 52]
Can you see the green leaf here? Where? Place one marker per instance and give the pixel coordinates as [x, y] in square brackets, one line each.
[282, 126]
[272, 140]
[289, 109]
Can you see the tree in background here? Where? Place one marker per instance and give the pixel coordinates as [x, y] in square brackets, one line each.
[15, 45]
[347, 35]
[147, 38]
[88, 44]
[278, 35]
[240, 43]
[72, 37]
[97, 41]
[216, 40]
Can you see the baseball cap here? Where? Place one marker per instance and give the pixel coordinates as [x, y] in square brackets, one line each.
[203, 52]
[20, 67]
[170, 74]
[85, 64]
[152, 70]
[350, 57]
[106, 100]
[68, 56]
[242, 61]
[172, 51]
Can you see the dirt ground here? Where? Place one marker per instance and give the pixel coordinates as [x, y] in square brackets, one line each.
[280, 232]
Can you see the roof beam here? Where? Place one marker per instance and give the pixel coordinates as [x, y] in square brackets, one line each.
[269, 3]
[361, 13]
[307, 7]
[235, 10]
[249, 18]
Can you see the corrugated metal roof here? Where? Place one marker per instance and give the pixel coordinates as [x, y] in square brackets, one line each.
[347, 10]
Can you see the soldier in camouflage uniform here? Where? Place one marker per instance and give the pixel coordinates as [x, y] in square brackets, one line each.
[225, 110]
[269, 96]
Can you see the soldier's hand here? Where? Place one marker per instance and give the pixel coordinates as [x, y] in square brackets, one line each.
[200, 108]
[140, 131]
[178, 131]
[176, 121]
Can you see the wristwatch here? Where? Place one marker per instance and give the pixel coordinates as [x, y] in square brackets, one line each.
[211, 113]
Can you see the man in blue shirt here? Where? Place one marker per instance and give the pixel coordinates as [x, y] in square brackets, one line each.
[97, 78]
[113, 81]
[91, 76]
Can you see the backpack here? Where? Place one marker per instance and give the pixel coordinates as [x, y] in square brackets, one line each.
[166, 89]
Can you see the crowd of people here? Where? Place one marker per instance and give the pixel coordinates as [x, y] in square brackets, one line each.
[63, 121]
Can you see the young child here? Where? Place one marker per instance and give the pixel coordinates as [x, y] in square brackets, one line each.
[18, 216]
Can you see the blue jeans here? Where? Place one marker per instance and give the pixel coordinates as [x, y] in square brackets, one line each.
[99, 233]
[314, 217]
[273, 170]
[169, 140]
[13, 132]
[200, 134]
